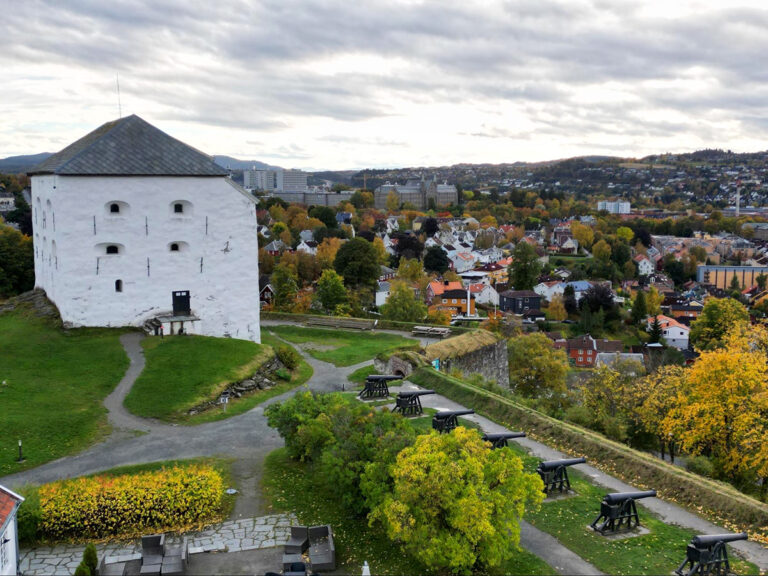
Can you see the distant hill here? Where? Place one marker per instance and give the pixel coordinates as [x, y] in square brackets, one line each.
[18, 164]
[235, 164]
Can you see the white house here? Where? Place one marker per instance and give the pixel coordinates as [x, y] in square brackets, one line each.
[382, 293]
[310, 247]
[644, 265]
[484, 294]
[135, 228]
[9, 532]
[675, 334]
[462, 261]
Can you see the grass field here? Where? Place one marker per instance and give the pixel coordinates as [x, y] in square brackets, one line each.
[341, 347]
[289, 487]
[359, 375]
[52, 384]
[183, 371]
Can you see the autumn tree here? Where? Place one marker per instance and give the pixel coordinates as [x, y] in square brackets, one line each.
[402, 304]
[654, 399]
[722, 404]
[556, 309]
[411, 270]
[717, 317]
[456, 504]
[525, 268]
[602, 251]
[536, 368]
[330, 290]
[625, 234]
[393, 201]
[607, 396]
[17, 266]
[326, 252]
[356, 262]
[382, 256]
[653, 301]
[583, 233]
[285, 283]
[639, 308]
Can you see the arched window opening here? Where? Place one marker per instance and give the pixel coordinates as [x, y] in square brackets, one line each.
[178, 208]
[114, 208]
[112, 249]
[118, 285]
[174, 247]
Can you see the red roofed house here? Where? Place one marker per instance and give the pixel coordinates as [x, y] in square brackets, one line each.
[455, 303]
[644, 265]
[675, 333]
[436, 288]
[583, 350]
[9, 539]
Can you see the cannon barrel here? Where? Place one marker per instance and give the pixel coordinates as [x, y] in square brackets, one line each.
[382, 377]
[448, 413]
[704, 540]
[619, 497]
[503, 436]
[412, 393]
[552, 464]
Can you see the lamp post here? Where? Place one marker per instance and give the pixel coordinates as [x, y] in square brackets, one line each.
[21, 456]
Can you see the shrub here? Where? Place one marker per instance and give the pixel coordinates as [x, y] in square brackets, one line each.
[288, 356]
[29, 516]
[83, 570]
[283, 374]
[90, 558]
[700, 465]
[103, 506]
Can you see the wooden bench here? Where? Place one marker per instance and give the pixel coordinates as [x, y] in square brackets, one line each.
[441, 331]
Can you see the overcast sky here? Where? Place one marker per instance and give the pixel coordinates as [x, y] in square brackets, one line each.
[343, 84]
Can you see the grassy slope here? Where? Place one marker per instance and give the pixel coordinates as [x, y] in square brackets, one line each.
[55, 382]
[341, 347]
[183, 371]
[287, 486]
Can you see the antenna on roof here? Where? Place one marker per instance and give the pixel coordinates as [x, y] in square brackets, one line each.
[119, 105]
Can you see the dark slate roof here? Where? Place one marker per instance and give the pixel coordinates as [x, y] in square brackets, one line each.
[129, 147]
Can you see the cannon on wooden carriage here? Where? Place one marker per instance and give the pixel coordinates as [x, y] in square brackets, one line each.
[377, 385]
[618, 512]
[499, 439]
[408, 403]
[554, 474]
[447, 420]
[707, 554]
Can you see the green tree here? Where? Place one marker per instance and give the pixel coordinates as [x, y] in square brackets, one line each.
[393, 201]
[410, 269]
[362, 199]
[285, 284]
[625, 234]
[602, 251]
[325, 214]
[536, 368]
[761, 281]
[330, 290]
[436, 260]
[717, 317]
[525, 268]
[607, 396]
[639, 308]
[17, 262]
[403, 305]
[655, 331]
[356, 261]
[90, 557]
[735, 285]
[456, 504]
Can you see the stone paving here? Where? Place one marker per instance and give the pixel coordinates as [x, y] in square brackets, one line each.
[233, 536]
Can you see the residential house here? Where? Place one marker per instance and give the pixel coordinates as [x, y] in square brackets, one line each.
[276, 247]
[518, 301]
[437, 287]
[9, 532]
[386, 273]
[497, 272]
[644, 265]
[583, 350]
[484, 294]
[691, 310]
[455, 303]
[343, 218]
[266, 292]
[475, 277]
[310, 247]
[610, 358]
[462, 261]
[382, 293]
[676, 334]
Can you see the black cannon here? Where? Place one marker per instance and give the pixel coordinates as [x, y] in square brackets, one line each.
[447, 420]
[409, 403]
[618, 511]
[707, 554]
[376, 385]
[554, 474]
[499, 440]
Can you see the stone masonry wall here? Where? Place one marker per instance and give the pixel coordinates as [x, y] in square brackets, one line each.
[490, 362]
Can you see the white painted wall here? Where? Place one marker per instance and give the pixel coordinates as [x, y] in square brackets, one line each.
[10, 549]
[73, 225]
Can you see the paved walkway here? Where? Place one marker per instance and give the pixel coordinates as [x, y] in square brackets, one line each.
[234, 536]
[668, 512]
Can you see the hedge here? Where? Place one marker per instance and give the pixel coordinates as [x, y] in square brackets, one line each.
[715, 499]
[104, 506]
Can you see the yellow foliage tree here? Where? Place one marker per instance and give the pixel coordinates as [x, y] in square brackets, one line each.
[382, 256]
[326, 252]
[654, 399]
[393, 201]
[556, 309]
[583, 233]
[653, 302]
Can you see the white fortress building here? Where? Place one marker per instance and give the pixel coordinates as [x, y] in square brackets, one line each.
[135, 228]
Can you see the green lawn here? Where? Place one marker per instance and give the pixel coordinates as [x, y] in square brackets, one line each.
[342, 347]
[289, 486]
[52, 384]
[183, 371]
[359, 375]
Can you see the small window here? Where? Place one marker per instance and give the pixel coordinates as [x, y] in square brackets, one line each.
[178, 208]
[174, 247]
[114, 208]
[112, 249]
[118, 285]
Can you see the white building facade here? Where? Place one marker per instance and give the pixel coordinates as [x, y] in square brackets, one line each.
[155, 234]
[9, 532]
